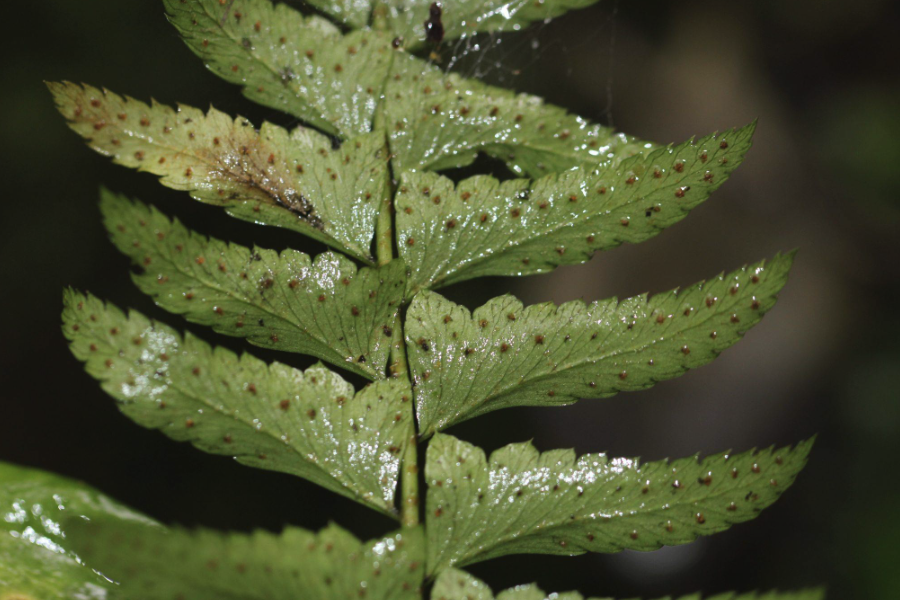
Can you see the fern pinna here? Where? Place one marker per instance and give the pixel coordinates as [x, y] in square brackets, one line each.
[363, 178]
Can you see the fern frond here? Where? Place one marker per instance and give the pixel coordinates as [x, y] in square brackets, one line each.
[523, 501]
[293, 180]
[503, 355]
[300, 65]
[310, 424]
[322, 306]
[454, 584]
[463, 18]
[37, 557]
[448, 233]
[439, 120]
[162, 564]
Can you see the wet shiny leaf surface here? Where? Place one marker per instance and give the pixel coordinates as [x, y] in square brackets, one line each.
[454, 584]
[257, 27]
[62, 540]
[323, 306]
[301, 65]
[295, 564]
[523, 501]
[294, 180]
[448, 233]
[440, 120]
[503, 355]
[37, 557]
[462, 18]
[354, 14]
[310, 424]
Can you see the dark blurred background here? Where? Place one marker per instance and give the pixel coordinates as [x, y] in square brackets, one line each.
[821, 76]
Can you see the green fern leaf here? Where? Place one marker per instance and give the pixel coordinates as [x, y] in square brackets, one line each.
[354, 14]
[301, 65]
[309, 424]
[522, 501]
[293, 180]
[157, 564]
[37, 559]
[440, 120]
[467, 17]
[449, 233]
[503, 355]
[323, 306]
[454, 584]
[807, 594]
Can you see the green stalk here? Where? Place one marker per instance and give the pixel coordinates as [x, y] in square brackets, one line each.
[409, 467]
[409, 474]
[384, 229]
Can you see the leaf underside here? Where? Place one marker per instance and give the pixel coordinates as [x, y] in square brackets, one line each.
[454, 584]
[288, 301]
[462, 18]
[310, 424]
[522, 501]
[439, 120]
[293, 180]
[504, 355]
[436, 120]
[448, 233]
[37, 560]
[406, 18]
[157, 564]
[62, 540]
[250, 33]
[300, 65]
